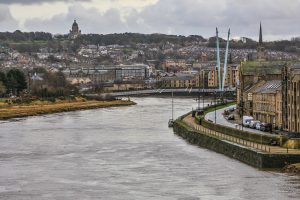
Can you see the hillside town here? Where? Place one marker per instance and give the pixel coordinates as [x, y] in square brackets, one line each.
[132, 66]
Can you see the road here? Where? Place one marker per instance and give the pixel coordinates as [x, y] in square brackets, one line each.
[222, 121]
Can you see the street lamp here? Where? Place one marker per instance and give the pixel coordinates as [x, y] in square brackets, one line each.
[203, 77]
[199, 92]
[215, 107]
[242, 105]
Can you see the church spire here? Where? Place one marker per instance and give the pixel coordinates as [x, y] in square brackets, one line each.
[261, 53]
[260, 35]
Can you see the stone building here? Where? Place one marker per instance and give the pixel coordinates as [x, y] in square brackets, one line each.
[291, 97]
[174, 65]
[100, 75]
[231, 78]
[74, 32]
[179, 80]
[267, 103]
[251, 75]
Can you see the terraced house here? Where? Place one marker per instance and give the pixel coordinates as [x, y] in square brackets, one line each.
[291, 97]
[270, 91]
[267, 103]
[259, 93]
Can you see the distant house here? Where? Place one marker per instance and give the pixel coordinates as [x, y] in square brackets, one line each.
[179, 80]
[79, 81]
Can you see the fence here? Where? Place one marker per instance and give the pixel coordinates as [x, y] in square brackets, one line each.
[209, 132]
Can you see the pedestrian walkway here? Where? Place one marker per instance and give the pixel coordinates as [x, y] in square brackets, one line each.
[255, 146]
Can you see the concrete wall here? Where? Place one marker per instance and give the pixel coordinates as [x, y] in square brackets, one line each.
[243, 154]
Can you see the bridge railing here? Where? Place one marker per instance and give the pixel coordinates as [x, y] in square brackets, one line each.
[179, 90]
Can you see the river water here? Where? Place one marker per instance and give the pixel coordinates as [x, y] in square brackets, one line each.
[124, 153]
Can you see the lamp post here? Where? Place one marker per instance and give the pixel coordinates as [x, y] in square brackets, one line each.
[203, 77]
[199, 92]
[242, 105]
[215, 107]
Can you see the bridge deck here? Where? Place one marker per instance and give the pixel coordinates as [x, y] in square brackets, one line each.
[160, 91]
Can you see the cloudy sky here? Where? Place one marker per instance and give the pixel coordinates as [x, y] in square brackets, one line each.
[280, 18]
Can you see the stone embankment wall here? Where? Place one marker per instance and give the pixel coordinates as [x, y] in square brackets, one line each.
[244, 154]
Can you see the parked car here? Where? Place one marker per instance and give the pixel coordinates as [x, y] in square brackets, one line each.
[231, 117]
[247, 120]
[253, 124]
[266, 127]
[257, 126]
[226, 112]
[231, 109]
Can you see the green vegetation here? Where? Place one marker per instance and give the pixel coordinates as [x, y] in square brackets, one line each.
[220, 106]
[50, 85]
[13, 82]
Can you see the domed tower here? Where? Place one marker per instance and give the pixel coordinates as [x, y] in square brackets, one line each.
[75, 32]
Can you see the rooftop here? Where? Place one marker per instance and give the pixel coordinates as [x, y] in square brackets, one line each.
[269, 87]
[262, 67]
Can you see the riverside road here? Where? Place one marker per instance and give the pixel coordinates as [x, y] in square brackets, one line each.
[124, 153]
[222, 121]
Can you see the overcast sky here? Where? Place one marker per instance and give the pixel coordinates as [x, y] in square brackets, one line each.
[280, 18]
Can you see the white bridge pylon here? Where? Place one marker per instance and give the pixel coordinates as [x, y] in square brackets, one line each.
[222, 79]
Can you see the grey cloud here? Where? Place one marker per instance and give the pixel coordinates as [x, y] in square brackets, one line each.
[279, 18]
[7, 22]
[89, 20]
[36, 1]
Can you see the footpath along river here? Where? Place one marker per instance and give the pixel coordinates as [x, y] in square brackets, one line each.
[124, 153]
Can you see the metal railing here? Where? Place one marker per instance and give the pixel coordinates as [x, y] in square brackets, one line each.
[218, 135]
[180, 90]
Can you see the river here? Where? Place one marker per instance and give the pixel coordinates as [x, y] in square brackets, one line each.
[124, 153]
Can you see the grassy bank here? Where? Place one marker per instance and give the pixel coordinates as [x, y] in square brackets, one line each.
[42, 108]
[218, 107]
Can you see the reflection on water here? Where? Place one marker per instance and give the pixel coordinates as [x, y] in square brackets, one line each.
[124, 153]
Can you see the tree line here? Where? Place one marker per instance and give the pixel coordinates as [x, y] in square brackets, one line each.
[12, 82]
[38, 82]
[33, 41]
[19, 36]
[50, 85]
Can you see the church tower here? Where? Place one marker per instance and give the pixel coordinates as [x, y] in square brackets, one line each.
[75, 32]
[261, 52]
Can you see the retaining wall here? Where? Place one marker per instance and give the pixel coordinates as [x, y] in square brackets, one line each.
[244, 154]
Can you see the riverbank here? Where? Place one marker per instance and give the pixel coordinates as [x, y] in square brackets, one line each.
[43, 108]
[253, 154]
[250, 148]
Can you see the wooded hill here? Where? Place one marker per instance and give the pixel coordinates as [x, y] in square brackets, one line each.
[33, 41]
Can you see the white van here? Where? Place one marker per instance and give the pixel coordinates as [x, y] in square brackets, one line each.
[247, 120]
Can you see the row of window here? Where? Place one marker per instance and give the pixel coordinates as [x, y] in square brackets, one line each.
[266, 107]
